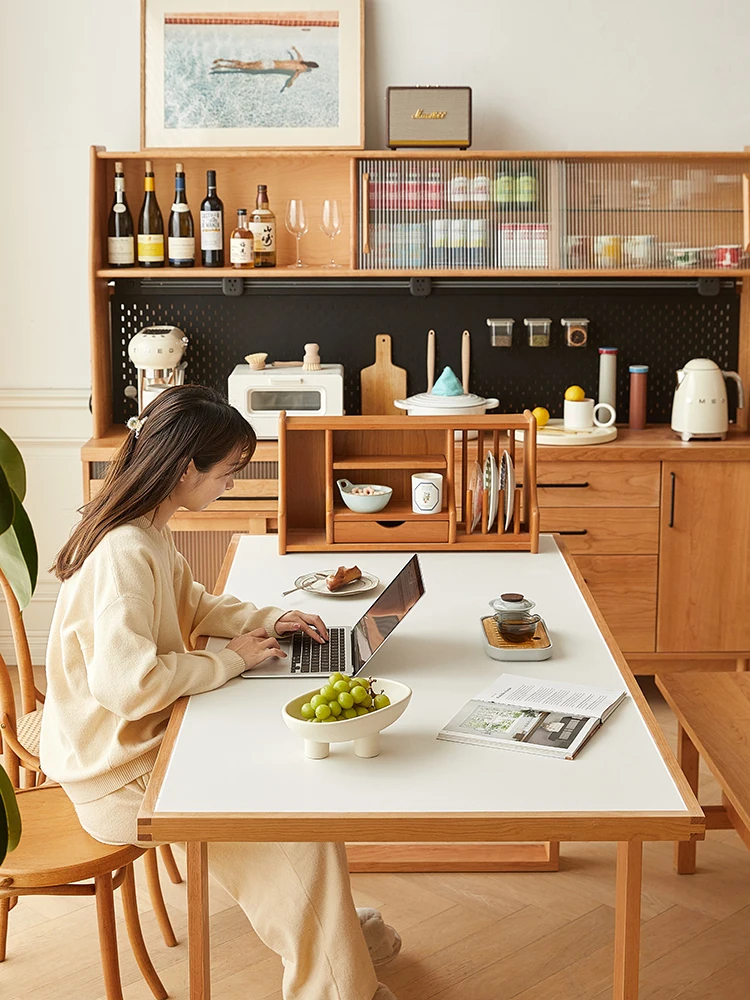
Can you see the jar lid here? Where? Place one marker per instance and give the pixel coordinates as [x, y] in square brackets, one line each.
[608, 350]
[512, 602]
[638, 369]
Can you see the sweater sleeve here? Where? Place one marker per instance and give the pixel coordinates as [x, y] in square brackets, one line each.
[129, 678]
[202, 613]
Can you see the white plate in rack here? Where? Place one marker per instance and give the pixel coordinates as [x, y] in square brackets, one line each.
[508, 479]
[492, 485]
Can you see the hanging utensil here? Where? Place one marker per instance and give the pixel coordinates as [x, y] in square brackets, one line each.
[430, 360]
[465, 357]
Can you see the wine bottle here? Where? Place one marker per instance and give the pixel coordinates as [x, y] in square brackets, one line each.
[181, 238]
[263, 227]
[120, 242]
[241, 252]
[212, 225]
[150, 225]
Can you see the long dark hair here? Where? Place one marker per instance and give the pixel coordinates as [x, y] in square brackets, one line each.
[183, 424]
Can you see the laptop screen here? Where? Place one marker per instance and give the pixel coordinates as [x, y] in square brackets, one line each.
[377, 623]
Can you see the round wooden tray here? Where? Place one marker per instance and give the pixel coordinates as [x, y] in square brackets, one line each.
[554, 433]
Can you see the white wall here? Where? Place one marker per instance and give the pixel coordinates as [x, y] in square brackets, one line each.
[586, 74]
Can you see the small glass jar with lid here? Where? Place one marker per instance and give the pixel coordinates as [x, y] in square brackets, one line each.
[539, 329]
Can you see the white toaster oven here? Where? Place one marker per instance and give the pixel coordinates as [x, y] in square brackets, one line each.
[261, 395]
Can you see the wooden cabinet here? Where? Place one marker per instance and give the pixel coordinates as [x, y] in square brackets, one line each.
[704, 557]
[624, 587]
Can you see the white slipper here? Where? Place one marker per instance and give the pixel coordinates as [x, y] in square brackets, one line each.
[383, 993]
[383, 942]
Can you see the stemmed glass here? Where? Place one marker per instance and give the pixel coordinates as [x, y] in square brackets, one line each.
[296, 223]
[330, 223]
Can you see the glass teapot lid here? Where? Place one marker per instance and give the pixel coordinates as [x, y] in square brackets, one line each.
[512, 602]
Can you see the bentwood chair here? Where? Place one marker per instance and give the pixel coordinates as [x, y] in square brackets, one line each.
[19, 739]
[54, 856]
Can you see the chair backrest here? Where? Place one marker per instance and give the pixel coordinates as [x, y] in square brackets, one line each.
[29, 693]
[15, 755]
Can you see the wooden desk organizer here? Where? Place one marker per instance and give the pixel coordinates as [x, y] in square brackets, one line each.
[316, 451]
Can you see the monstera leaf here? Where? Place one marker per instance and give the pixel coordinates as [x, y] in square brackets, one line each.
[10, 819]
[18, 553]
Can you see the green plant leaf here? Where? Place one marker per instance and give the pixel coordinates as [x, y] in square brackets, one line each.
[3, 833]
[9, 809]
[18, 555]
[11, 462]
[6, 502]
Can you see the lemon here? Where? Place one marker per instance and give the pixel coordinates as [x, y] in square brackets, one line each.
[575, 394]
[541, 414]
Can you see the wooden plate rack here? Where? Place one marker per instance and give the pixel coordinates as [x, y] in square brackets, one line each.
[316, 451]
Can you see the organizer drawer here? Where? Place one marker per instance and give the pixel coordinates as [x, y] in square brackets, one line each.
[394, 531]
[605, 530]
[603, 484]
[624, 588]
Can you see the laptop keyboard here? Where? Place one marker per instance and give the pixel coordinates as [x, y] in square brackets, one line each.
[311, 657]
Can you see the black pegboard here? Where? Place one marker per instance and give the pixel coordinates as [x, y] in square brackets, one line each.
[662, 324]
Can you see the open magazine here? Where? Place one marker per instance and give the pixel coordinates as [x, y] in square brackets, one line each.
[525, 713]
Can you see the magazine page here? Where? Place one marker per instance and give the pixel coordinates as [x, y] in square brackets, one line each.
[558, 734]
[548, 696]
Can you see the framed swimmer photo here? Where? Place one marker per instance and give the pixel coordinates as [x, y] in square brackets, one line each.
[281, 74]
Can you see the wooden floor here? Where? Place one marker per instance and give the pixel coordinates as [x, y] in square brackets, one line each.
[466, 937]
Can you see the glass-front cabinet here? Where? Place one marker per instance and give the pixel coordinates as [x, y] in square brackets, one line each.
[553, 213]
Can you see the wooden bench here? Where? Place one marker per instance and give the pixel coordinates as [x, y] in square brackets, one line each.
[713, 716]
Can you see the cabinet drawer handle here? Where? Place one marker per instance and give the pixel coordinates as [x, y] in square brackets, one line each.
[563, 486]
[579, 531]
[673, 477]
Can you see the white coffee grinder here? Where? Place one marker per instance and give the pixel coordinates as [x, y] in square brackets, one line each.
[156, 352]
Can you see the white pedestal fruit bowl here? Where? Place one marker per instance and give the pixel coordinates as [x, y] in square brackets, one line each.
[364, 731]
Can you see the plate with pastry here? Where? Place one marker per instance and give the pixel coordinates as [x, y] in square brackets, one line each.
[342, 582]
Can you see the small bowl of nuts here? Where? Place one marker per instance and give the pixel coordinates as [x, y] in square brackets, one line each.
[364, 498]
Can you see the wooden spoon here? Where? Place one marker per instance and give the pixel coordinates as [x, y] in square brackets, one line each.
[430, 360]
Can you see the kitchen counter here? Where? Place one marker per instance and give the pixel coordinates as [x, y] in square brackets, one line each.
[657, 443]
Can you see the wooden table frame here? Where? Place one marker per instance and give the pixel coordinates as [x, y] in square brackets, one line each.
[732, 813]
[628, 830]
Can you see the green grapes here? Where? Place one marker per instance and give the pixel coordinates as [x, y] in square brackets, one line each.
[342, 698]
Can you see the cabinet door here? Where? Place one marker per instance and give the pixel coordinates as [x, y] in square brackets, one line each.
[704, 564]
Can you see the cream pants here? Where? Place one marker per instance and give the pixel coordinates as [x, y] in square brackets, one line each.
[297, 897]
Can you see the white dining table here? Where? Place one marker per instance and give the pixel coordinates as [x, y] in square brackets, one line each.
[230, 770]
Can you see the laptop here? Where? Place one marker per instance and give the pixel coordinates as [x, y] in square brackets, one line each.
[349, 648]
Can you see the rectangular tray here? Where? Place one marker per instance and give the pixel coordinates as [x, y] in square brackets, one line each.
[537, 648]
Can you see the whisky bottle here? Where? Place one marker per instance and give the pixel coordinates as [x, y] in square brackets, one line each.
[263, 228]
[241, 251]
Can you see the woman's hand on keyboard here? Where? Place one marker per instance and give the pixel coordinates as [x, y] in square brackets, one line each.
[255, 647]
[298, 621]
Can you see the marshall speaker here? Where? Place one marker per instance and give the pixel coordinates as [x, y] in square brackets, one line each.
[420, 117]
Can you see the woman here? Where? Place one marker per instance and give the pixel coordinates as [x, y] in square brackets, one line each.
[121, 652]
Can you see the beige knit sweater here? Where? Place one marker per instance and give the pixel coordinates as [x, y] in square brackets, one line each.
[121, 653]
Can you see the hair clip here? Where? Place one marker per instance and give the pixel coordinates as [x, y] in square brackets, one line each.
[135, 424]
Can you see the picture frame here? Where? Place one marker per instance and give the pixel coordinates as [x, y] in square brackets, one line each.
[266, 74]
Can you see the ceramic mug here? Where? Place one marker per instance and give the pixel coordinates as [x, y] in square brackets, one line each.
[581, 415]
[426, 492]
[608, 250]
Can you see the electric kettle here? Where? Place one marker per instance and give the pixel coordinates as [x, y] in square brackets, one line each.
[699, 409]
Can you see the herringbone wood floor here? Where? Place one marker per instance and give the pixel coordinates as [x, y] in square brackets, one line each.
[466, 937]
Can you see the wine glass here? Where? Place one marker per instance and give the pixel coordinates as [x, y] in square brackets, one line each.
[296, 223]
[330, 223]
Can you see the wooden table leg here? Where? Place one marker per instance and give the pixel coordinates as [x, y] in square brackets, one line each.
[628, 920]
[689, 760]
[198, 931]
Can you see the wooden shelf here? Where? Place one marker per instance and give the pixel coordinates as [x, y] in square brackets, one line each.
[391, 462]
[283, 271]
[311, 540]
[397, 510]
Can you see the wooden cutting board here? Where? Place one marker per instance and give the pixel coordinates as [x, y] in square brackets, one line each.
[382, 382]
